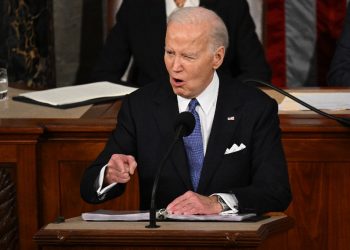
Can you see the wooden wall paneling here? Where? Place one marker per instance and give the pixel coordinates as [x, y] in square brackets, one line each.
[62, 166]
[8, 153]
[49, 178]
[77, 141]
[27, 195]
[309, 186]
[319, 150]
[319, 169]
[18, 149]
[320, 205]
[71, 206]
[338, 206]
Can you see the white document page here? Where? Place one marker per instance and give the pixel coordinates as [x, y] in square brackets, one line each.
[325, 101]
[79, 93]
[108, 215]
[210, 217]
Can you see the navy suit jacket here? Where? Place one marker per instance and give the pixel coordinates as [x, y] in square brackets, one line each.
[257, 175]
[140, 32]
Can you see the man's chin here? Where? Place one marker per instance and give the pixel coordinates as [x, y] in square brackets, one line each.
[180, 92]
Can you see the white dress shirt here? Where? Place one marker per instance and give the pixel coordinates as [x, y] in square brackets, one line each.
[170, 5]
[206, 108]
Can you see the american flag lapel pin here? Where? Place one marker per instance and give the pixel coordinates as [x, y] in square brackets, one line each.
[231, 118]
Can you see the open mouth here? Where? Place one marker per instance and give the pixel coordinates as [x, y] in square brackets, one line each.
[178, 81]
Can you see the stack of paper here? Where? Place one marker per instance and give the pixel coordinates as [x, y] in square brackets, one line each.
[325, 101]
[107, 215]
[73, 96]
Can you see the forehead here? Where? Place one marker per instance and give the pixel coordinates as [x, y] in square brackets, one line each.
[187, 33]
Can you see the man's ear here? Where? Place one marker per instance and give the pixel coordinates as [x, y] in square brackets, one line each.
[218, 57]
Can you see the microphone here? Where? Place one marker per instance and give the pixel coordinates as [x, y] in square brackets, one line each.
[184, 125]
[341, 120]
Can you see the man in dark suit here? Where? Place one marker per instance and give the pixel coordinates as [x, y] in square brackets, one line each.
[237, 162]
[339, 73]
[140, 31]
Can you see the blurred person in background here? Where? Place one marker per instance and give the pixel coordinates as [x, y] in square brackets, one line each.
[339, 73]
[139, 33]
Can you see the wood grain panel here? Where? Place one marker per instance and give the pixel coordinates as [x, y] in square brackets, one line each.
[72, 206]
[60, 189]
[20, 159]
[79, 234]
[52, 154]
[7, 153]
[317, 150]
[27, 195]
[320, 205]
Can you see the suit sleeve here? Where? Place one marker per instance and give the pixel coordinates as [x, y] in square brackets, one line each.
[115, 56]
[122, 141]
[250, 56]
[269, 189]
[339, 73]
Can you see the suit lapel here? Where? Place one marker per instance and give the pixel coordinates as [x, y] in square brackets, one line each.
[179, 160]
[224, 124]
[165, 114]
[166, 110]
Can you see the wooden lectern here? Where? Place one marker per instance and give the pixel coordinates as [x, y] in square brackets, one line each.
[78, 234]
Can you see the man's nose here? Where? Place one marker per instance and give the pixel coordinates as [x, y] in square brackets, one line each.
[177, 65]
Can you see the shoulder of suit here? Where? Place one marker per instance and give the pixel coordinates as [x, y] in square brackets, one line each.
[241, 90]
[154, 89]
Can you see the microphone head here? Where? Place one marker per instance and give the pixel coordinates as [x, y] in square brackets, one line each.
[184, 123]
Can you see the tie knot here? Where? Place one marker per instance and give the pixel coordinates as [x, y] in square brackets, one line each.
[180, 3]
[193, 104]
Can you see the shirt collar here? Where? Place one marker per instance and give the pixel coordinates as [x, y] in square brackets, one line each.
[206, 99]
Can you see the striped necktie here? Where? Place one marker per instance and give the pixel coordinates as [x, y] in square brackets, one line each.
[194, 146]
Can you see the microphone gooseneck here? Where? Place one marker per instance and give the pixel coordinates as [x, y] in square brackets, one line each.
[341, 120]
[184, 125]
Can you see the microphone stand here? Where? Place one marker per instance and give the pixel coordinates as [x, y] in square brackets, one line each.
[152, 212]
[341, 120]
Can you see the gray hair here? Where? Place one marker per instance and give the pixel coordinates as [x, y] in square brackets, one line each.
[198, 15]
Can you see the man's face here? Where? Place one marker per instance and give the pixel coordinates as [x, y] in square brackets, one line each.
[189, 60]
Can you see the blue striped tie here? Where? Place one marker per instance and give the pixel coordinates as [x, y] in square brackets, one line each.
[194, 146]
